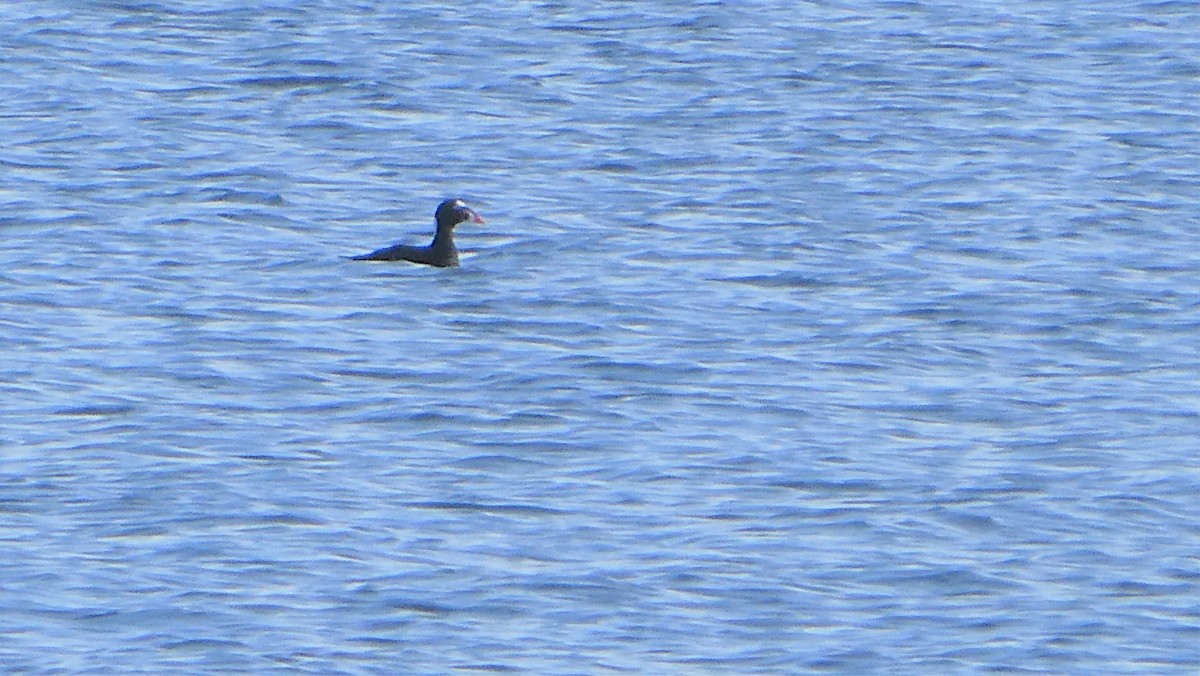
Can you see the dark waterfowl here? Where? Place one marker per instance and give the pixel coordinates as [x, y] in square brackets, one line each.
[441, 252]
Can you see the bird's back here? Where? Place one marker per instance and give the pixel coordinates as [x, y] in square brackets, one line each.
[426, 255]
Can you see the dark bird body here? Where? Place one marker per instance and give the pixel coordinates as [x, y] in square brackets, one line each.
[441, 252]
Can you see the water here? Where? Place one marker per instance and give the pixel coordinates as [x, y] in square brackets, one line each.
[841, 337]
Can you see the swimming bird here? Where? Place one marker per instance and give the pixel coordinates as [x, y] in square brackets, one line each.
[441, 252]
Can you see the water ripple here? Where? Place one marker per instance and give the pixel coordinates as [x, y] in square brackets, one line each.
[844, 337]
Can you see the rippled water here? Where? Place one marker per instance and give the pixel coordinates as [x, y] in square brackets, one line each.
[838, 336]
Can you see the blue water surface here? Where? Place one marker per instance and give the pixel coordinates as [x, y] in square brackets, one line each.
[850, 337]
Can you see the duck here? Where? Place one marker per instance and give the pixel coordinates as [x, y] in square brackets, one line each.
[441, 252]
